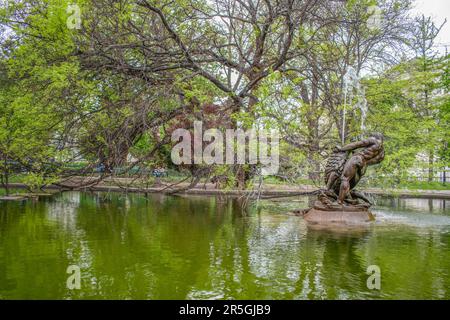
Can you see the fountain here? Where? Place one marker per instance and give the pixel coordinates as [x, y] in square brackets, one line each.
[352, 88]
[340, 203]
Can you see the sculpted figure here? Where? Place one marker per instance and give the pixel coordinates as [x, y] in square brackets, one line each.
[372, 152]
[339, 204]
[343, 173]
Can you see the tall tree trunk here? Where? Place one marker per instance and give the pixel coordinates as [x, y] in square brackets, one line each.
[5, 175]
[430, 166]
[5, 182]
[243, 171]
[444, 167]
[241, 177]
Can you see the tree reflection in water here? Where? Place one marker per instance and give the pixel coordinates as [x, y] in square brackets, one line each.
[177, 247]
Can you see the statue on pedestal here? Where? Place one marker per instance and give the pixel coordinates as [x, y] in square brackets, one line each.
[344, 169]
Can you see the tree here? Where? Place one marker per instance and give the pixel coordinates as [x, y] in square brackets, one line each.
[424, 74]
[307, 99]
[233, 44]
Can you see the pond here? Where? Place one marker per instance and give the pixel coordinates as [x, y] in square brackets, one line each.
[192, 247]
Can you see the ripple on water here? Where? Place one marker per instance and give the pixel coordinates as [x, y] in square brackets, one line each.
[411, 218]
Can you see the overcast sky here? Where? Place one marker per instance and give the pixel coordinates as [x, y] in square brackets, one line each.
[439, 10]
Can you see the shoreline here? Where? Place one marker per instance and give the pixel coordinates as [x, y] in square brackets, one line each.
[267, 191]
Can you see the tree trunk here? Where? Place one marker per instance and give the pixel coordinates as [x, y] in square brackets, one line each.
[430, 166]
[241, 177]
[5, 182]
[5, 176]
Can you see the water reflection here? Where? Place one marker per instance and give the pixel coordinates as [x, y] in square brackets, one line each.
[435, 206]
[161, 247]
[418, 213]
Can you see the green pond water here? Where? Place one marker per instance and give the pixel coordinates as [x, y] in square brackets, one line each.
[172, 247]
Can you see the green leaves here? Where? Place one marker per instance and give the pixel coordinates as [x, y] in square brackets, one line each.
[116, 86]
[404, 104]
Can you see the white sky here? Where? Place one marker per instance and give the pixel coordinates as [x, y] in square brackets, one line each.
[439, 10]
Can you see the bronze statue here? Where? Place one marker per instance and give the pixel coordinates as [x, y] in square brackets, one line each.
[339, 203]
[343, 172]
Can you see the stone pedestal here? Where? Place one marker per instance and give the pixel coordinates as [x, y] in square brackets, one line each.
[337, 215]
